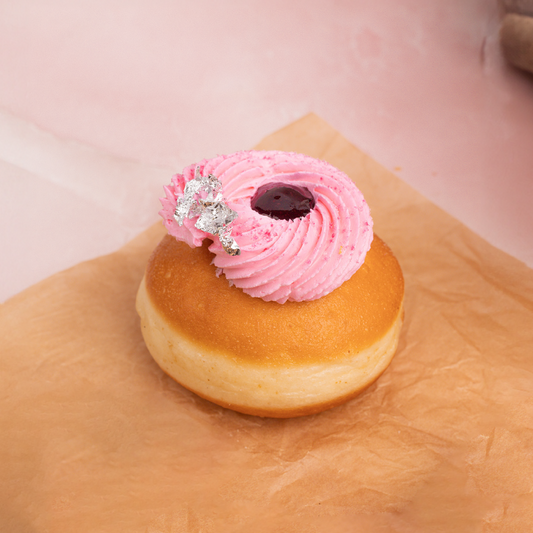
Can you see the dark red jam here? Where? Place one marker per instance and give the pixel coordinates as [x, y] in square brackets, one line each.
[282, 202]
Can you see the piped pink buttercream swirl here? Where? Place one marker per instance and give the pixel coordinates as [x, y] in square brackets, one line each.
[296, 260]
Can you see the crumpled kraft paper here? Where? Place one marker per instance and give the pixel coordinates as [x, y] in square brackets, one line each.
[95, 438]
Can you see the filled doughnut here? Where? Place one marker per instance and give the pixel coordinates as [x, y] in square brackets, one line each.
[270, 295]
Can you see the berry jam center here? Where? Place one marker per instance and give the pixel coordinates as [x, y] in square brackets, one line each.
[282, 202]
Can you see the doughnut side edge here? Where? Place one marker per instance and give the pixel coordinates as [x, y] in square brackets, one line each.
[277, 392]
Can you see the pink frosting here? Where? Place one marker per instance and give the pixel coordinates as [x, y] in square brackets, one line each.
[296, 260]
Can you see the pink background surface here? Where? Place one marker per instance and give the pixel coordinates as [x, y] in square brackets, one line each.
[102, 101]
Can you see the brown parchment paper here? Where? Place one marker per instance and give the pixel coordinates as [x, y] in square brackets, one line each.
[95, 438]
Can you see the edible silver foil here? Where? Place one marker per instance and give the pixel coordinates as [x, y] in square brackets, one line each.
[214, 216]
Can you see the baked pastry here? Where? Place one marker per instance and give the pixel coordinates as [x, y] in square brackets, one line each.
[270, 295]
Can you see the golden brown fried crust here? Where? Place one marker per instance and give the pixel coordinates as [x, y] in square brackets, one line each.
[182, 284]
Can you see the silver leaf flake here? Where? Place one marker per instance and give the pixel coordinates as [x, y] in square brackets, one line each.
[214, 216]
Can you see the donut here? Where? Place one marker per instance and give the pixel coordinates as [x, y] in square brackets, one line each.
[270, 294]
